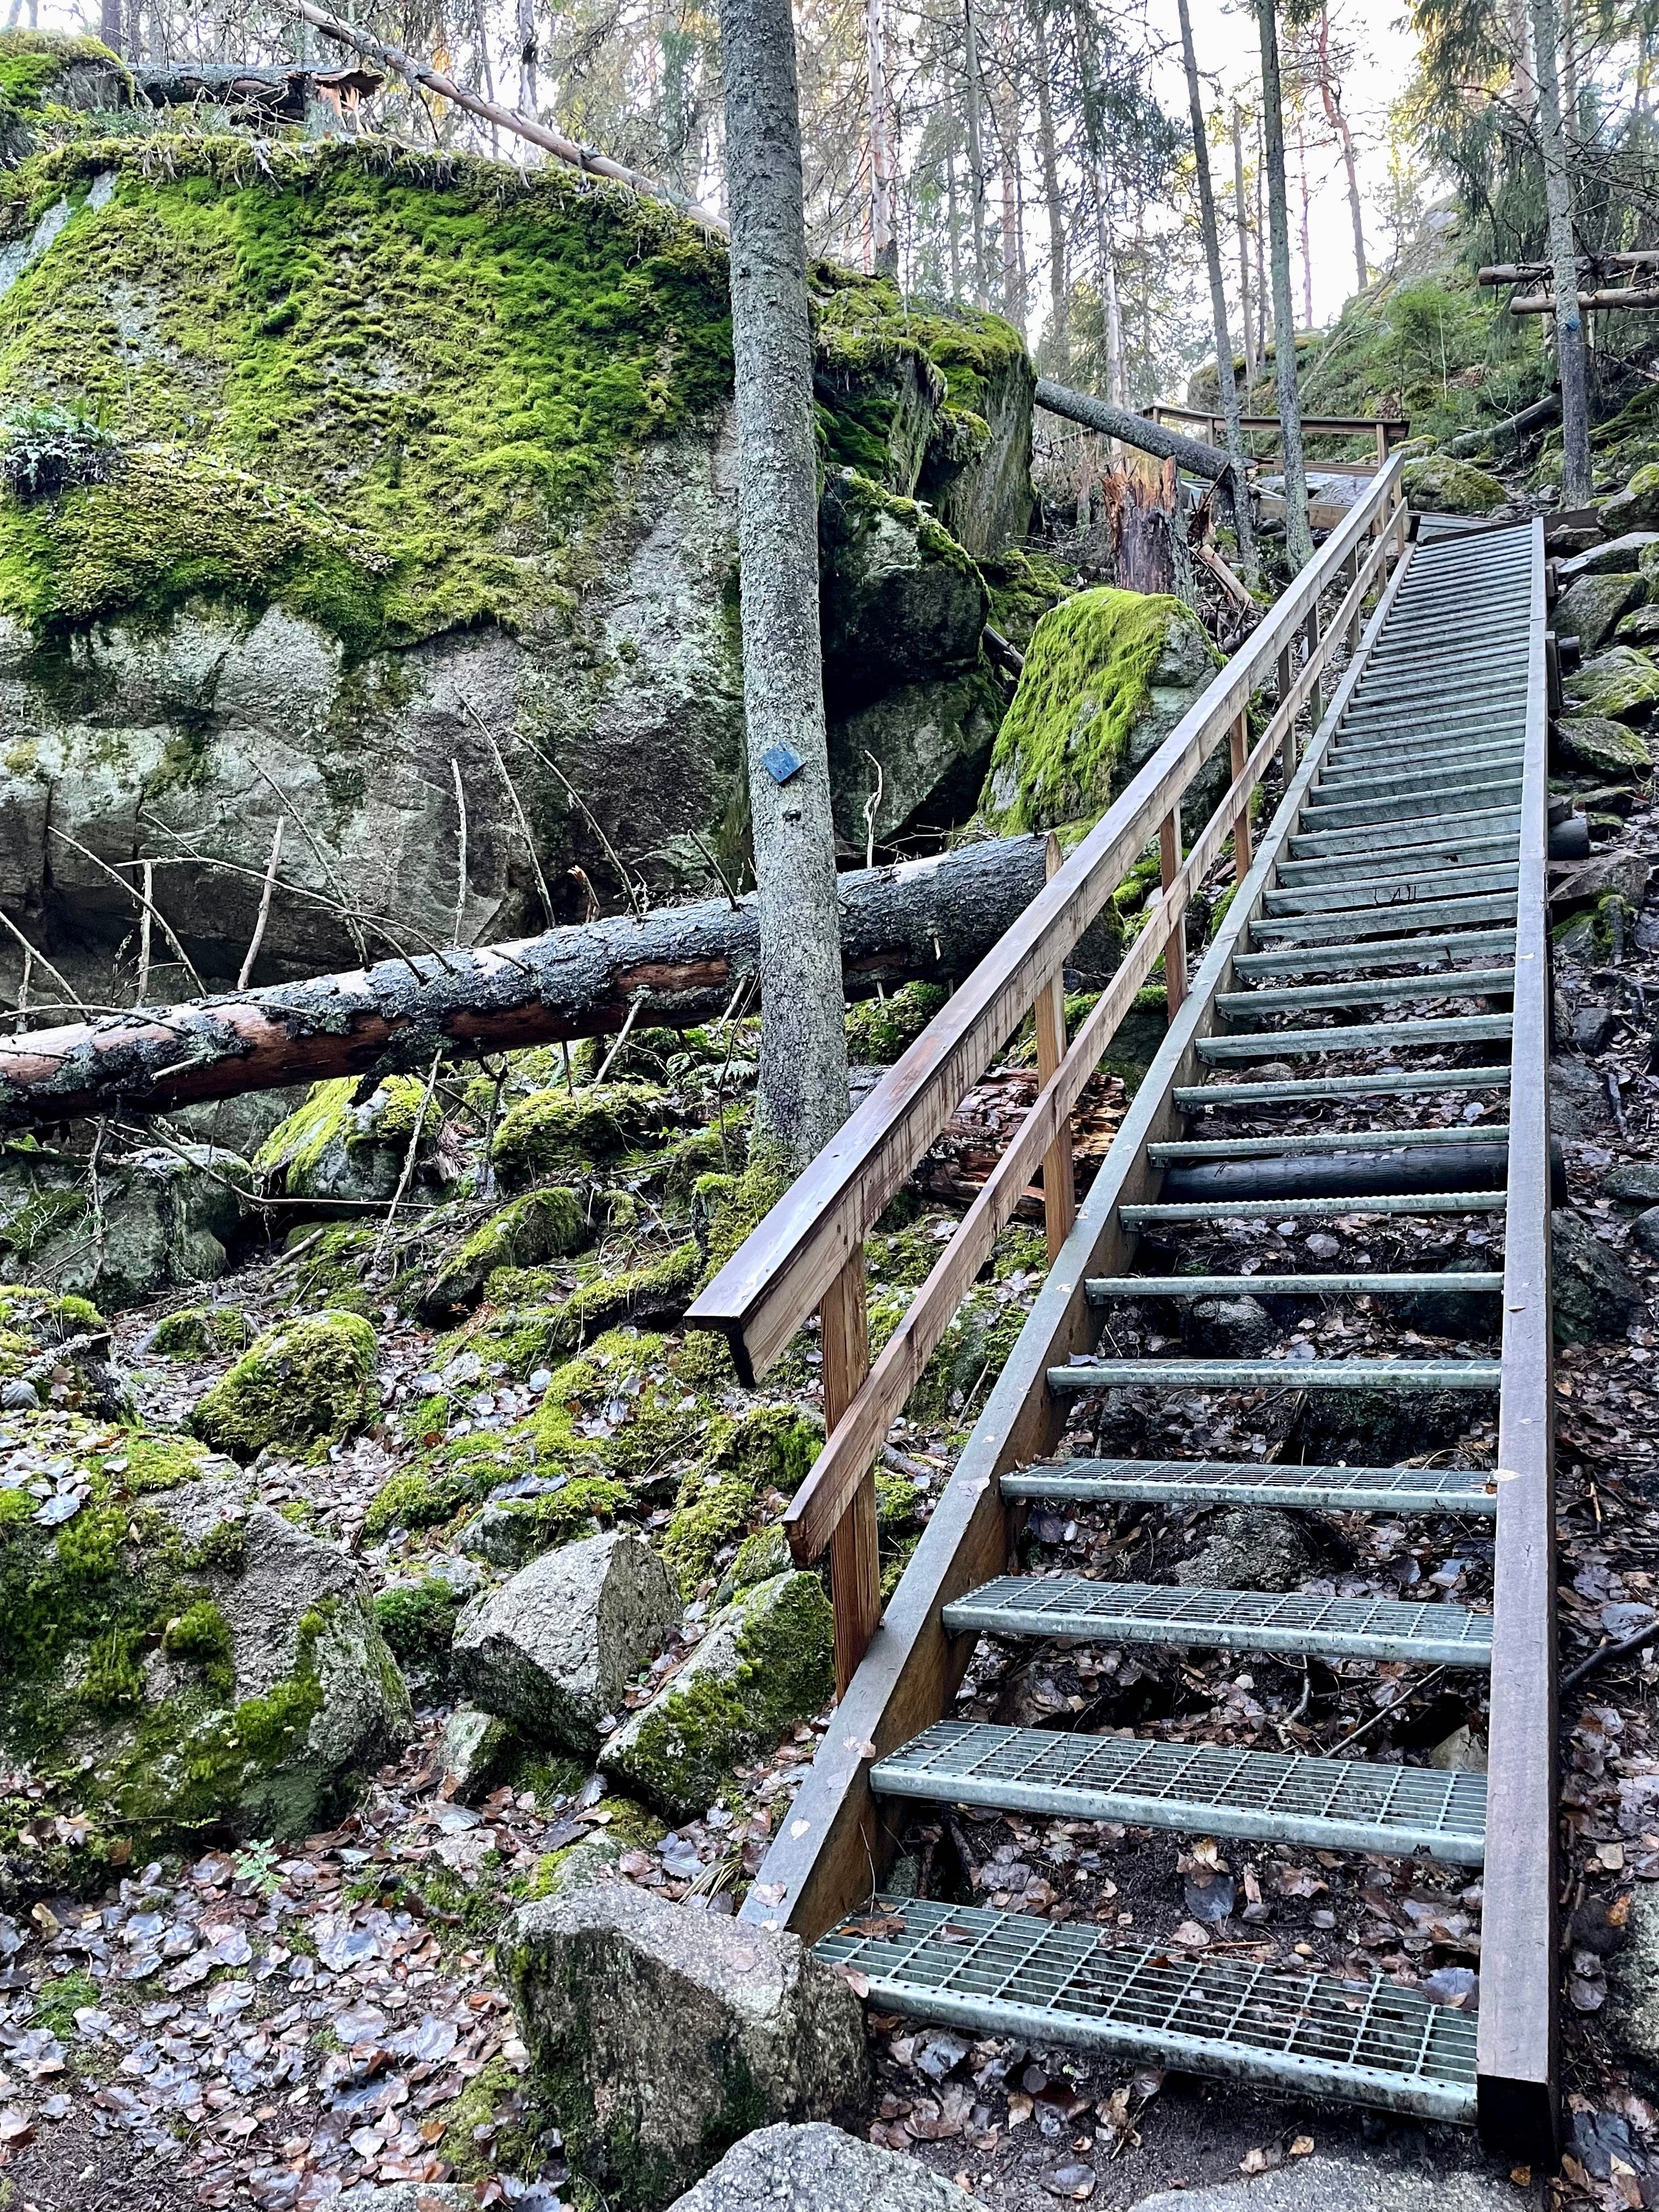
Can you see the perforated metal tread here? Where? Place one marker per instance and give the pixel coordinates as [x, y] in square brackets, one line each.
[1251, 1482]
[1008, 1974]
[1330, 1804]
[1278, 1373]
[1240, 1620]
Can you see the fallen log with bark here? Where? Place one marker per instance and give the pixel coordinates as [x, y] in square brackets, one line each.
[281, 94]
[1192, 454]
[672, 967]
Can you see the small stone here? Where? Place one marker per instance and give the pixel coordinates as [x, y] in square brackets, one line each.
[818, 2165]
[668, 2031]
[477, 1751]
[1229, 1328]
[1645, 1231]
[1639, 628]
[556, 1649]
[1360, 2183]
[1634, 1184]
[1616, 555]
[1621, 683]
[1595, 1295]
[1436, 483]
[1604, 875]
[1592, 1028]
[1250, 1550]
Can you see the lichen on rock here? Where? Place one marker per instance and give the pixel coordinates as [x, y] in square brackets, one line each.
[1437, 483]
[304, 1383]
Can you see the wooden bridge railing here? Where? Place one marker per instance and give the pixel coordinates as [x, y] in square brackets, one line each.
[1386, 435]
[808, 1253]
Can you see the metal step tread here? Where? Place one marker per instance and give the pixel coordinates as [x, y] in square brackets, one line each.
[1295, 1142]
[1389, 1083]
[1431, 956]
[1386, 889]
[1295, 1374]
[1318, 842]
[1379, 991]
[1358, 922]
[1010, 1974]
[1293, 1209]
[1440, 1634]
[1100, 1289]
[1336, 1804]
[1258, 1483]
[1362, 1036]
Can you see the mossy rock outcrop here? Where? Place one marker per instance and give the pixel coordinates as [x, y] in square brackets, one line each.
[1620, 683]
[164, 1218]
[1592, 606]
[414, 459]
[543, 1224]
[767, 1662]
[302, 1385]
[347, 1145]
[1439, 484]
[1635, 506]
[1601, 746]
[56, 1351]
[1108, 675]
[172, 1657]
[564, 1133]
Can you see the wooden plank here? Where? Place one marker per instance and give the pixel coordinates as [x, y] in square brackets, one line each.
[854, 1568]
[834, 1847]
[1175, 945]
[1518, 2056]
[780, 1272]
[1237, 738]
[1059, 1174]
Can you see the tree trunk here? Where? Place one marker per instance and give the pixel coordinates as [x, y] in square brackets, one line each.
[883, 235]
[1224, 343]
[1307, 246]
[1141, 520]
[933, 918]
[1330, 94]
[1241, 213]
[1569, 325]
[1108, 285]
[953, 212]
[1526, 84]
[801, 1094]
[1298, 537]
[1059, 340]
[1108, 421]
[525, 28]
[977, 155]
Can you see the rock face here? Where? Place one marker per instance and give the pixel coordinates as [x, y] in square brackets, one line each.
[662, 2037]
[1107, 677]
[817, 2164]
[553, 1649]
[172, 1657]
[1435, 484]
[1339, 2184]
[167, 1218]
[1596, 1296]
[511, 555]
[1636, 506]
[345, 1145]
[767, 1662]
[1591, 609]
[1621, 684]
[1604, 747]
[1633, 2012]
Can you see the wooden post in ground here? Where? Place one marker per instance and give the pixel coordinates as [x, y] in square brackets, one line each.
[1175, 948]
[1238, 744]
[1059, 1186]
[854, 1571]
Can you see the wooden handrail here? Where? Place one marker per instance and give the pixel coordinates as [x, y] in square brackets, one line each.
[808, 1253]
[1318, 426]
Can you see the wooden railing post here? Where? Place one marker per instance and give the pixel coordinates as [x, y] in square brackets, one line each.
[854, 1569]
[1350, 573]
[1059, 1186]
[1238, 744]
[1311, 648]
[1287, 749]
[1174, 945]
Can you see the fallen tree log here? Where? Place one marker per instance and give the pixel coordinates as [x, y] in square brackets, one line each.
[1538, 416]
[280, 92]
[1189, 453]
[674, 967]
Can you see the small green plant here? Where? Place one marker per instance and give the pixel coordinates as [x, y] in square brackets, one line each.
[47, 450]
[258, 1864]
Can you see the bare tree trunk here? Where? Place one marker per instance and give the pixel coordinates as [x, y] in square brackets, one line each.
[1224, 343]
[1242, 216]
[1330, 94]
[953, 211]
[1108, 287]
[1298, 537]
[1569, 325]
[1526, 84]
[801, 1096]
[977, 155]
[883, 235]
[525, 24]
[1059, 337]
[1307, 246]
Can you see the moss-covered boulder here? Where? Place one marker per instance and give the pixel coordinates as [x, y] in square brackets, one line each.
[347, 1145]
[303, 1384]
[1621, 684]
[199, 1332]
[881, 1030]
[44, 70]
[661, 2037]
[429, 461]
[1635, 506]
[559, 1132]
[766, 1664]
[56, 1351]
[1591, 608]
[1602, 747]
[1595, 1296]
[1640, 628]
[1439, 484]
[543, 1224]
[1108, 675]
[172, 1658]
[750, 1467]
[165, 1217]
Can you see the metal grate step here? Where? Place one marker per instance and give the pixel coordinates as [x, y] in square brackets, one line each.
[1431, 955]
[1332, 1804]
[1375, 991]
[1316, 842]
[1236, 1621]
[1278, 1373]
[1363, 1036]
[1389, 889]
[1258, 1483]
[1101, 1289]
[1388, 1082]
[1006, 1974]
[1293, 1209]
[1294, 1142]
[1411, 807]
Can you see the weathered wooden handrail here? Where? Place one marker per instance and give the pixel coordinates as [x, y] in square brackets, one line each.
[1386, 434]
[808, 1252]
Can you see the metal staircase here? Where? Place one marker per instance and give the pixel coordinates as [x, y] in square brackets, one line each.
[1383, 950]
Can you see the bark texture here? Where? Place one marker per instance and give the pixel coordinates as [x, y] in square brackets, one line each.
[1546, 32]
[801, 1097]
[1297, 536]
[1192, 454]
[933, 918]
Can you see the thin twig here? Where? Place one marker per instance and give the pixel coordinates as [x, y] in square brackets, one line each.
[30, 956]
[633, 894]
[1408, 1690]
[622, 1038]
[23, 988]
[254, 942]
[148, 906]
[460, 842]
[872, 808]
[518, 808]
[322, 859]
[409, 1157]
[144, 933]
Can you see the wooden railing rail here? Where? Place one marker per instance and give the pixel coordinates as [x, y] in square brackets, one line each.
[808, 1253]
[1386, 435]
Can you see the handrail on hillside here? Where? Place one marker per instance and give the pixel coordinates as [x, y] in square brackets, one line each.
[1386, 434]
[808, 1254]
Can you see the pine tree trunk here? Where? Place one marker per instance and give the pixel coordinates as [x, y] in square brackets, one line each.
[953, 211]
[1059, 338]
[1298, 537]
[1569, 324]
[525, 24]
[976, 155]
[1307, 246]
[1330, 94]
[884, 236]
[109, 25]
[1224, 343]
[801, 1094]
[1241, 214]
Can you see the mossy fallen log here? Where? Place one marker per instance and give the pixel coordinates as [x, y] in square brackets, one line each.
[672, 967]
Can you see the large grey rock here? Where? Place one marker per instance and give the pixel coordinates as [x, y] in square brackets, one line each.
[554, 1649]
[663, 2036]
[901, 600]
[1250, 1550]
[1633, 1981]
[920, 751]
[1634, 1182]
[1617, 555]
[1341, 2184]
[1591, 608]
[1621, 683]
[167, 1218]
[767, 1662]
[817, 2168]
[1602, 747]
[1595, 1295]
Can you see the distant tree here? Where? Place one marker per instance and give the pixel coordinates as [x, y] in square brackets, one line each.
[1298, 536]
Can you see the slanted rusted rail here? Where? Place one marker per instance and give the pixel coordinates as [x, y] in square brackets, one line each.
[808, 1254]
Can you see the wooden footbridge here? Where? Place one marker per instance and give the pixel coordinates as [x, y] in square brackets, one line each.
[1386, 950]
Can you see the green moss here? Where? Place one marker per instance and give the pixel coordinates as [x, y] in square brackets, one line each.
[627, 1377]
[543, 1224]
[417, 1499]
[726, 1209]
[1023, 588]
[571, 1511]
[497, 2101]
[567, 1132]
[659, 1290]
[60, 1999]
[348, 1113]
[747, 1463]
[880, 1031]
[199, 1332]
[34, 64]
[417, 1621]
[304, 1383]
[1062, 750]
